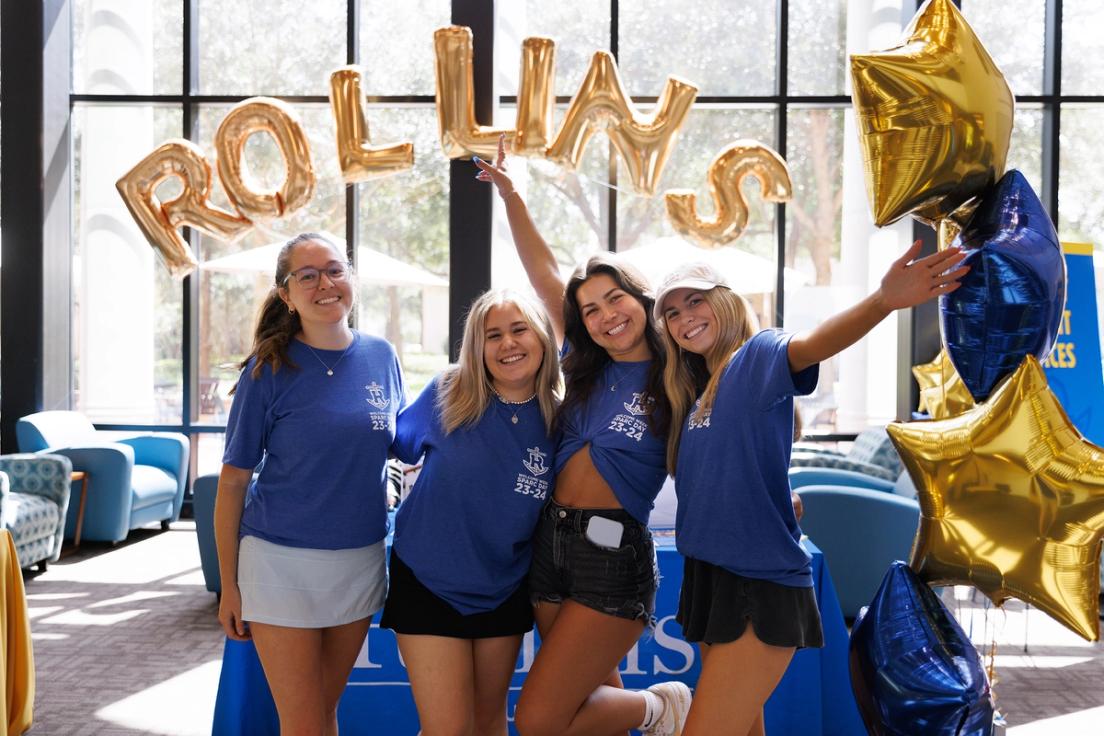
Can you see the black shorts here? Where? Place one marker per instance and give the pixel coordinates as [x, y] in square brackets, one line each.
[412, 608]
[715, 606]
[620, 582]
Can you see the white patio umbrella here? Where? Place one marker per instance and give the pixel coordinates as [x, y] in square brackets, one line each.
[745, 272]
[373, 267]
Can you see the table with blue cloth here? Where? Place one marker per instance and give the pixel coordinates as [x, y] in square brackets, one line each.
[814, 696]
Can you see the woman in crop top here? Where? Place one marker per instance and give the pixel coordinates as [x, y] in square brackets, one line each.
[594, 575]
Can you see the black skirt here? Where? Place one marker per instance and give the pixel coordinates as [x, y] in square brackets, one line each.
[715, 606]
[412, 608]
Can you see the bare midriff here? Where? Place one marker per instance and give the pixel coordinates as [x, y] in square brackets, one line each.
[581, 486]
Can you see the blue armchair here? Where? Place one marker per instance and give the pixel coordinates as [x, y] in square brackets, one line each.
[204, 491]
[131, 482]
[34, 496]
[860, 531]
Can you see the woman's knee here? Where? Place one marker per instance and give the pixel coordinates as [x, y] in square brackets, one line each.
[531, 719]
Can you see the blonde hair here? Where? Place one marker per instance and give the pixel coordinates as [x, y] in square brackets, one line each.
[465, 389]
[688, 374]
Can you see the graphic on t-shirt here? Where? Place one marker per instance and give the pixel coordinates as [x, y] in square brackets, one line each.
[533, 485]
[376, 397]
[638, 407]
[382, 420]
[535, 463]
[698, 419]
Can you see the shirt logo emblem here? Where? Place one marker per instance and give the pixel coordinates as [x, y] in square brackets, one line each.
[638, 407]
[535, 463]
[376, 397]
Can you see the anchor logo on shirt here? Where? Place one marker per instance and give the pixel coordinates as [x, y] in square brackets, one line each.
[535, 463]
[375, 396]
[637, 407]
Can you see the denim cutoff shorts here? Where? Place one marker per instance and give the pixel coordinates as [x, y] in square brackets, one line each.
[566, 565]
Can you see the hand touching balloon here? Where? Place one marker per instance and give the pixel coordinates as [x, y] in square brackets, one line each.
[496, 172]
[909, 281]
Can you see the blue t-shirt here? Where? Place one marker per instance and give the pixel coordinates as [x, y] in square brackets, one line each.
[321, 442]
[466, 527]
[732, 481]
[614, 422]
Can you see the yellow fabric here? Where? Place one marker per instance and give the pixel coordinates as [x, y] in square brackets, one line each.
[17, 678]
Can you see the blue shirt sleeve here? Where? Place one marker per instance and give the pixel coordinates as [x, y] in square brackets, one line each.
[246, 427]
[771, 365]
[414, 424]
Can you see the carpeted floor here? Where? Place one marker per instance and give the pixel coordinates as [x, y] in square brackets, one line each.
[126, 642]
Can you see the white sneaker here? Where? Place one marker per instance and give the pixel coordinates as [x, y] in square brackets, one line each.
[676, 705]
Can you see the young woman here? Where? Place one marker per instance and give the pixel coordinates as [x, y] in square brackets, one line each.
[314, 412]
[747, 595]
[594, 574]
[458, 601]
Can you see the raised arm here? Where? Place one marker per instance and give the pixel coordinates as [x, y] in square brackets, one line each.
[537, 258]
[907, 283]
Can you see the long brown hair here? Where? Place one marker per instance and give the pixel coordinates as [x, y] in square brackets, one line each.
[276, 324]
[689, 374]
[586, 359]
[465, 389]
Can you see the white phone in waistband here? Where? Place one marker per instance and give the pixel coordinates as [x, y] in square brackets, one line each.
[605, 532]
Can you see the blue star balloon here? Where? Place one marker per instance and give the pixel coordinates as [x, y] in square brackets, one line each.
[913, 669]
[1010, 303]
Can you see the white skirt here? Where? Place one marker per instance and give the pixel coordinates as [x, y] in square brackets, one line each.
[310, 588]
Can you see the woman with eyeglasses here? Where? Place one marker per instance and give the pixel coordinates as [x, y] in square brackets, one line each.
[301, 543]
[458, 602]
[594, 575]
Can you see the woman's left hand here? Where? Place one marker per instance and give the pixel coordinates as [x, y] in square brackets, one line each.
[911, 281]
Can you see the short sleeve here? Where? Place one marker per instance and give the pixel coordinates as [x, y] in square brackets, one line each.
[414, 424]
[246, 426]
[771, 365]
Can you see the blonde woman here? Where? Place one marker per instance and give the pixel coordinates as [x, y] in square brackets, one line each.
[747, 595]
[303, 563]
[458, 602]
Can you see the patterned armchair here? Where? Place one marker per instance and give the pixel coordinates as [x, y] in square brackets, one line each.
[872, 454]
[34, 498]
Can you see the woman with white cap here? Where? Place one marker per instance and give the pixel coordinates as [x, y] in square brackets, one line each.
[747, 595]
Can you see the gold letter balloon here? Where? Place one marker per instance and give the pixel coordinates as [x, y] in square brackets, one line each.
[358, 158]
[159, 221]
[461, 136]
[644, 141]
[1011, 501]
[278, 119]
[732, 165]
[535, 96]
[934, 116]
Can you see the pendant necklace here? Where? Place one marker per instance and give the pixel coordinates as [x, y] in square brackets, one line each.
[515, 404]
[330, 368]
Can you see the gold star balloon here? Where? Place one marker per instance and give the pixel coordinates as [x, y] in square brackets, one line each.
[942, 392]
[1011, 501]
[934, 116]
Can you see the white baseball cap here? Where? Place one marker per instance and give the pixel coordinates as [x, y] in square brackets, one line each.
[694, 275]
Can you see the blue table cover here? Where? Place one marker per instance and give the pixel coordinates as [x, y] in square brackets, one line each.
[814, 697]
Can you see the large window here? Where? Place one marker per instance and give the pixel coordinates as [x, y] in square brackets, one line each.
[153, 352]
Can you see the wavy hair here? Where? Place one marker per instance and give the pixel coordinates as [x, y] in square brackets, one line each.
[586, 359]
[689, 375]
[276, 325]
[465, 389]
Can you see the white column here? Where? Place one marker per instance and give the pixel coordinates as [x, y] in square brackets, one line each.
[868, 393]
[117, 309]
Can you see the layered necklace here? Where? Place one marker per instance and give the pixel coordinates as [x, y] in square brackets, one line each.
[330, 368]
[515, 404]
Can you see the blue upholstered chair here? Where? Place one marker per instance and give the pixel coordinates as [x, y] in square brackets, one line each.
[34, 495]
[860, 531]
[872, 453]
[203, 505]
[131, 482]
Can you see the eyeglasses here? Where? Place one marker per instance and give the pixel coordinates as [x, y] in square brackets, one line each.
[309, 277]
